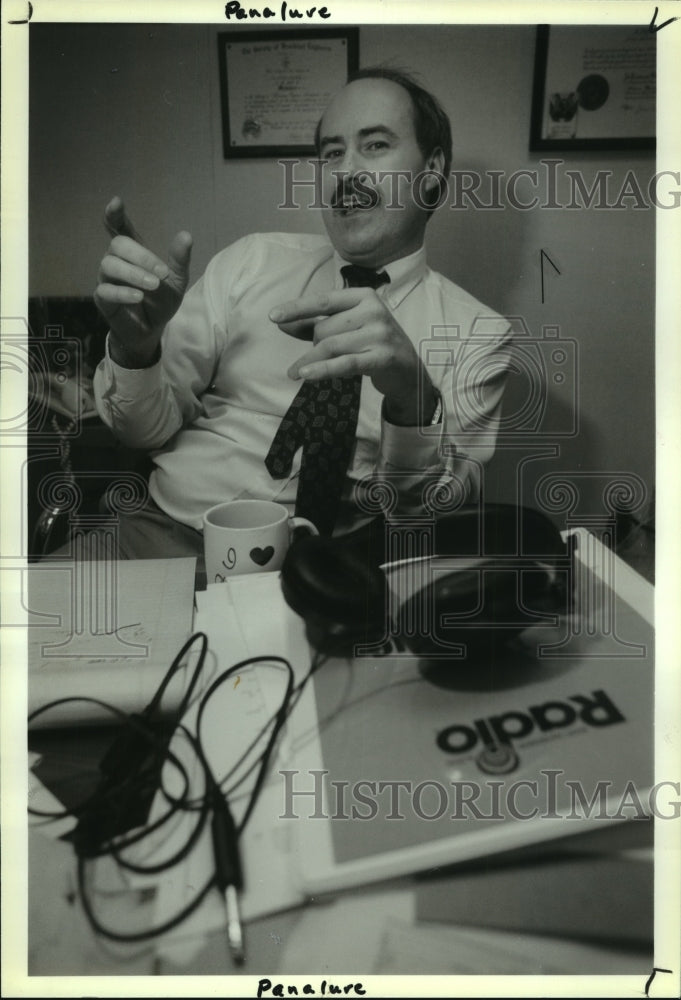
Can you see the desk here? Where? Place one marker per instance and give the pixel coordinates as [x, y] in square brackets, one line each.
[402, 926]
[369, 931]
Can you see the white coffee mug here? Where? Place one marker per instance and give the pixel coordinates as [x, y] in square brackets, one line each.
[247, 536]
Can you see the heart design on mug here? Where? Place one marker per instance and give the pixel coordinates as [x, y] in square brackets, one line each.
[262, 556]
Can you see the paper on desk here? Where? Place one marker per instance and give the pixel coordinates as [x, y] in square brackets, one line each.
[107, 630]
[243, 617]
[330, 930]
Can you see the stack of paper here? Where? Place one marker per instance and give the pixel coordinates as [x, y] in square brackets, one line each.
[244, 617]
[107, 631]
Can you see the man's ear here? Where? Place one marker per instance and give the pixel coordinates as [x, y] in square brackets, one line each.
[436, 164]
[435, 183]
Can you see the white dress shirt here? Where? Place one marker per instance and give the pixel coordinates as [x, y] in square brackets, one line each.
[210, 407]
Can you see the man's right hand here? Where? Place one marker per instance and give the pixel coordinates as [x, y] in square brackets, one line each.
[138, 293]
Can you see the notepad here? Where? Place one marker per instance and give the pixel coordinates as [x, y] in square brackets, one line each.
[106, 631]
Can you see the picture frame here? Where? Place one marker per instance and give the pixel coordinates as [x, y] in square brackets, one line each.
[594, 88]
[274, 86]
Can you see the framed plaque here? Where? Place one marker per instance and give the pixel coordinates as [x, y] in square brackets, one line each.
[275, 85]
[594, 88]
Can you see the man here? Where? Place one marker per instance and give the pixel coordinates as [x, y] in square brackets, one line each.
[205, 378]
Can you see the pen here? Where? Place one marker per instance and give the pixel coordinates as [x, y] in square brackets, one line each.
[228, 874]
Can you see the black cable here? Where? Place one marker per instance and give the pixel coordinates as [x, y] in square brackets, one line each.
[144, 744]
[131, 768]
[279, 719]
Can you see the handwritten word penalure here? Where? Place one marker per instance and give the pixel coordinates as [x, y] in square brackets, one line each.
[267, 988]
[234, 10]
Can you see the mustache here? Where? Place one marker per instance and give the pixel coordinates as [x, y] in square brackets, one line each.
[355, 192]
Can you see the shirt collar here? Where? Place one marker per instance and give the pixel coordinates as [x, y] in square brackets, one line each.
[404, 274]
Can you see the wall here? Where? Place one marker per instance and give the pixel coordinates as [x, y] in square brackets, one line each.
[135, 110]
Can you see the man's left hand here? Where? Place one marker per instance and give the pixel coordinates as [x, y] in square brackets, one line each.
[355, 334]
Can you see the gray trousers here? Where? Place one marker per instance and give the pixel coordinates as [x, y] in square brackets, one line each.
[148, 533]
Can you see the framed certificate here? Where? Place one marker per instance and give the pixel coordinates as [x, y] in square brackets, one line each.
[275, 85]
[594, 88]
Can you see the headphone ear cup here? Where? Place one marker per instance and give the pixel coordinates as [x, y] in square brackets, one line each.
[342, 598]
[483, 606]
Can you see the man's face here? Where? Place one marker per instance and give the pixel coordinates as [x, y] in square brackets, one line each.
[369, 127]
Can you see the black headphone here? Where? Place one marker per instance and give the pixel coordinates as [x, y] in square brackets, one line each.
[485, 574]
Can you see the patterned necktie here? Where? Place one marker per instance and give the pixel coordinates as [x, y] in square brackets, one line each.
[323, 419]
